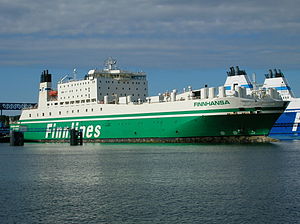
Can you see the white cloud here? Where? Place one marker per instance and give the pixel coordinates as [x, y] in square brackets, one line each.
[89, 17]
[212, 33]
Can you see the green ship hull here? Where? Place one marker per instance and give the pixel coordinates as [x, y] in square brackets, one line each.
[169, 127]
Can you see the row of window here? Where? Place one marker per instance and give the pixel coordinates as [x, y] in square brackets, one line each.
[137, 83]
[86, 95]
[87, 82]
[123, 88]
[67, 112]
[100, 94]
[76, 84]
[71, 91]
[74, 102]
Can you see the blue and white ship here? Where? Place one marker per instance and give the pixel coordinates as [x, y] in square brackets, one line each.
[287, 126]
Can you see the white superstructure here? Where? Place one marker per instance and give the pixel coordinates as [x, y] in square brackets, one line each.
[277, 81]
[237, 78]
[103, 86]
[106, 85]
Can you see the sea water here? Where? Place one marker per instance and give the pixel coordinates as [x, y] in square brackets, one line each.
[150, 183]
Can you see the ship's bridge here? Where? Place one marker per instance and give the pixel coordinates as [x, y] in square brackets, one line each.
[111, 71]
[117, 74]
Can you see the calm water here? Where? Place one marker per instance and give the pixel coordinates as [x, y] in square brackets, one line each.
[150, 183]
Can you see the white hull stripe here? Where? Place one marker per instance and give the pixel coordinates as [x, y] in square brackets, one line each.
[137, 117]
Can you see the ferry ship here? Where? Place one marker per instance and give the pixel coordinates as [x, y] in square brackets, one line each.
[287, 126]
[112, 105]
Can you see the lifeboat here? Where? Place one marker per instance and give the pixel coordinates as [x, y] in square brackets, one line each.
[53, 93]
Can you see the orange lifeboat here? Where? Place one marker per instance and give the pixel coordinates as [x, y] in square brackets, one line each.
[53, 93]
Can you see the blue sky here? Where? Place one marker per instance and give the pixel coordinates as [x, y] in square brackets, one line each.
[176, 42]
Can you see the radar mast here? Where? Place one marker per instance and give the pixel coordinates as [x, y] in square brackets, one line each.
[110, 64]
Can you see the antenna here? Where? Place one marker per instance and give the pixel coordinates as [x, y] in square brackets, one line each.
[254, 80]
[74, 73]
[110, 63]
[61, 81]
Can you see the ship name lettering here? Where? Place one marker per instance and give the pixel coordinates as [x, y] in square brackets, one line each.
[54, 130]
[211, 103]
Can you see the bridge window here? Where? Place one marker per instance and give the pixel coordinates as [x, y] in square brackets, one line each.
[43, 114]
[29, 115]
[59, 112]
[49, 113]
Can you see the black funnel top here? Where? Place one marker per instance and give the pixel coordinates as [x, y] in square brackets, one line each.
[45, 76]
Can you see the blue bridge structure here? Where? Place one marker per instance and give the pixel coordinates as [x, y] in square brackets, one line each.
[15, 106]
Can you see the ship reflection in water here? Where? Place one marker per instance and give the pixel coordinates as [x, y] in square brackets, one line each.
[150, 183]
